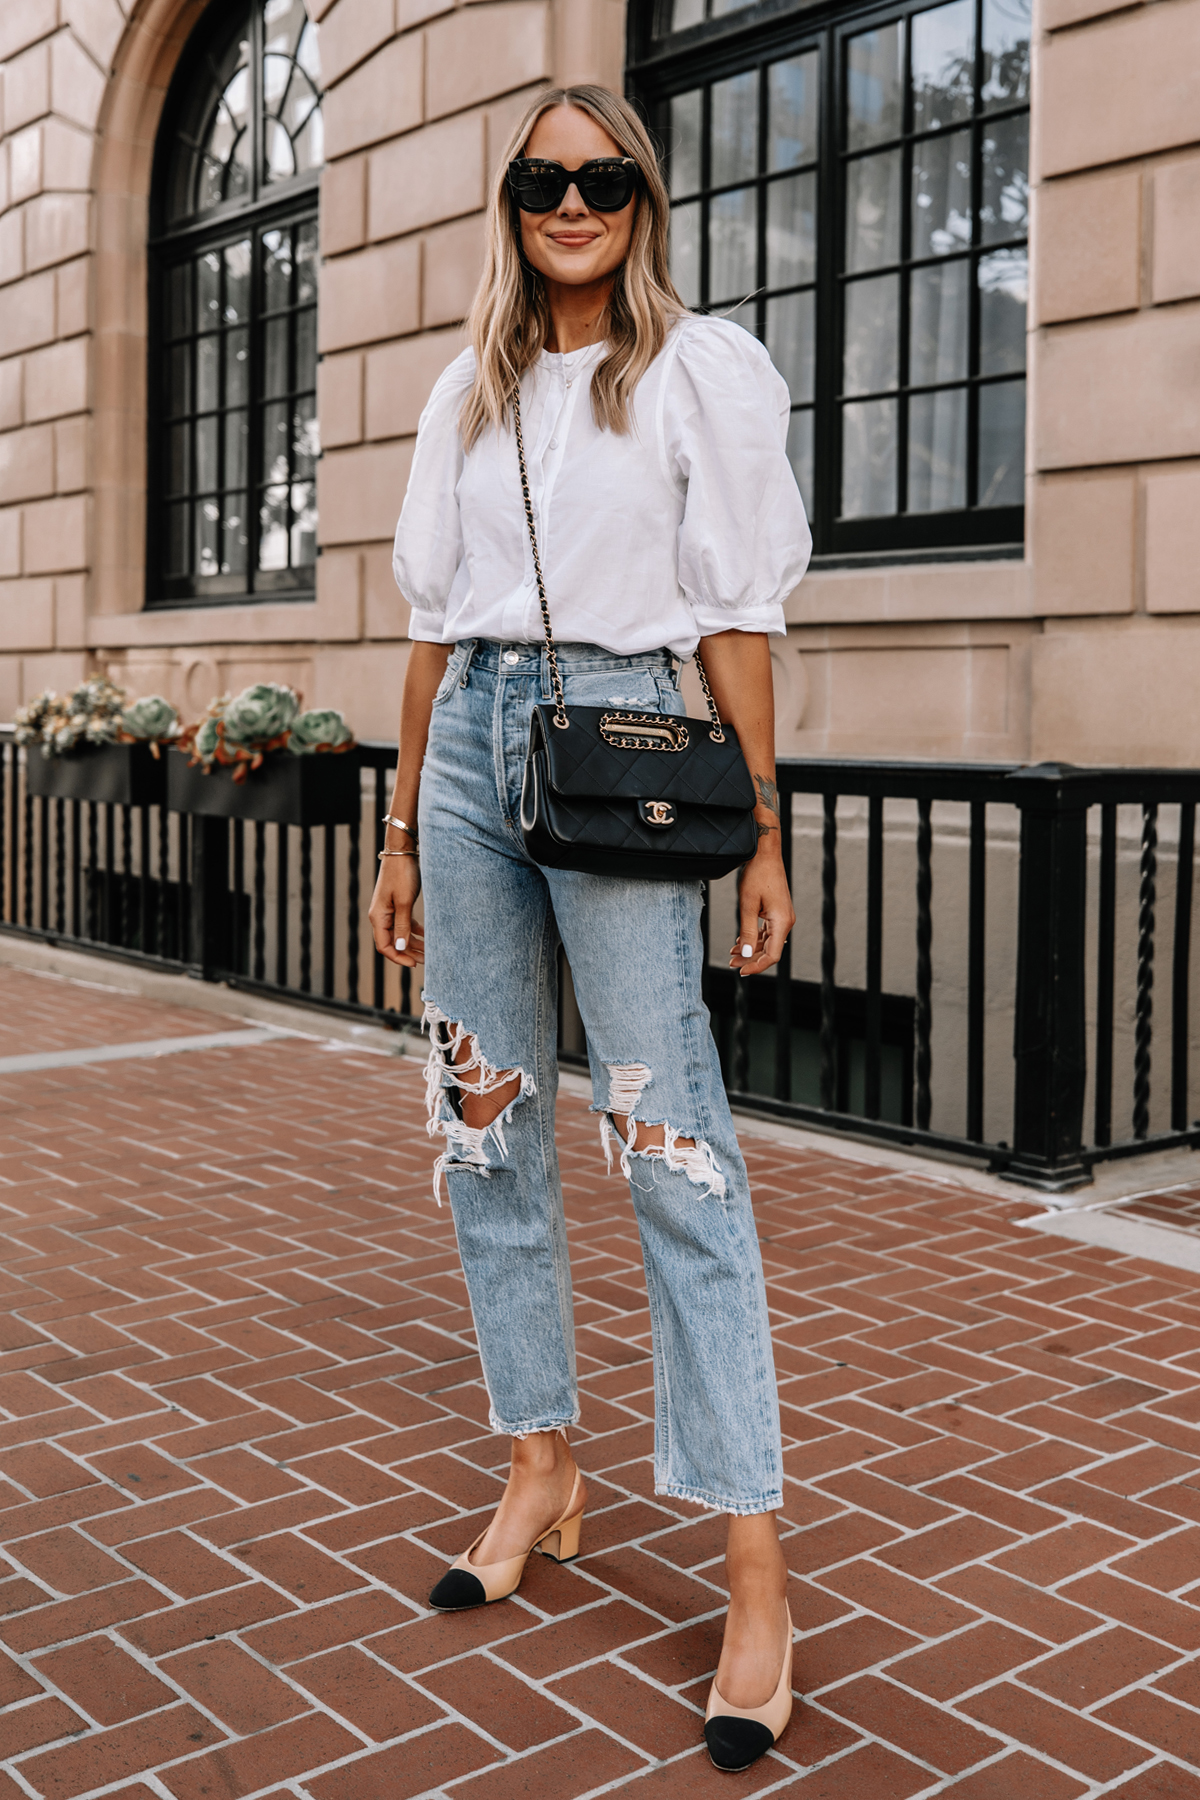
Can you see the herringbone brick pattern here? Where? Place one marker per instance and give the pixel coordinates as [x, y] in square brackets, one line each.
[244, 1430]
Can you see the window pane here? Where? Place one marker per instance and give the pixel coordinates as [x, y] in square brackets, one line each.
[685, 251]
[208, 522]
[179, 462]
[237, 282]
[208, 373]
[732, 247]
[1006, 32]
[291, 79]
[684, 13]
[792, 112]
[1002, 444]
[306, 349]
[943, 64]
[735, 128]
[868, 458]
[275, 356]
[237, 368]
[273, 529]
[721, 7]
[306, 264]
[941, 182]
[206, 454]
[221, 171]
[872, 311]
[937, 451]
[304, 523]
[791, 230]
[1005, 206]
[685, 143]
[234, 538]
[275, 443]
[208, 297]
[178, 524]
[179, 379]
[1003, 292]
[873, 211]
[277, 269]
[306, 444]
[790, 341]
[939, 323]
[874, 86]
[800, 453]
[237, 435]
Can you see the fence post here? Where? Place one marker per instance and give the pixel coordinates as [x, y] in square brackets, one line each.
[1049, 1040]
[210, 895]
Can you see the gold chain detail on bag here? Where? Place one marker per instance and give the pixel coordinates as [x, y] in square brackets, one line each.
[560, 706]
[644, 731]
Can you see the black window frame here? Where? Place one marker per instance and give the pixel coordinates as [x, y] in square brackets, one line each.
[267, 206]
[661, 64]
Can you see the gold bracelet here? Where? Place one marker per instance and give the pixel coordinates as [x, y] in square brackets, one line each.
[414, 853]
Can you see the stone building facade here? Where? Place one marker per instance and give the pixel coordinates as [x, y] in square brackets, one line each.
[1077, 637]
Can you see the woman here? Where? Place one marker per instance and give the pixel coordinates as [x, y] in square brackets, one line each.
[665, 512]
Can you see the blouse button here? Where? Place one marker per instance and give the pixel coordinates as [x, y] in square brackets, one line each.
[554, 443]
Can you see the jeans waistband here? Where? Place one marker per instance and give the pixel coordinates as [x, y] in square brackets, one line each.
[491, 653]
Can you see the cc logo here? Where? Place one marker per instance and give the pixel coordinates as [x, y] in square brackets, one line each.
[657, 812]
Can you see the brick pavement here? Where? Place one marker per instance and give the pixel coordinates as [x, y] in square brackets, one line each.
[243, 1430]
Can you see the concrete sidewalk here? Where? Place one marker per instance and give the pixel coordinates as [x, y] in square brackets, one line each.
[244, 1429]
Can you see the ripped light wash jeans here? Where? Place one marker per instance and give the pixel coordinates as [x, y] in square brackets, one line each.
[493, 922]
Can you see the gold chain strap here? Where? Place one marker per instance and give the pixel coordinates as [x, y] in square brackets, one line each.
[560, 706]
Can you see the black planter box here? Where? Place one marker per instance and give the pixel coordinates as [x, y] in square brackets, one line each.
[324, 789]
[123, 774]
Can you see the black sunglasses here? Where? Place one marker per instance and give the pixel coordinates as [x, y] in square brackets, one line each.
[606, 184]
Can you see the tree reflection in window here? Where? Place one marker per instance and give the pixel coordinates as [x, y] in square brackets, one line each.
[234, 265]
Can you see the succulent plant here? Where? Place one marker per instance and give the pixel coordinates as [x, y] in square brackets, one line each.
[60, 722]
[150, 719]
[319, 730]
[260, 715]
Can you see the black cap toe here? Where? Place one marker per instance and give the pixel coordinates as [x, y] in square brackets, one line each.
[734, 1743]
[457, 1590]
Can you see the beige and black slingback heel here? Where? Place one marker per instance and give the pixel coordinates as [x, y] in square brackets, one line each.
[466, 1583]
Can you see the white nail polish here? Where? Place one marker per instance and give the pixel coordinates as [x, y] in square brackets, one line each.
[747, 950]
[400, 943]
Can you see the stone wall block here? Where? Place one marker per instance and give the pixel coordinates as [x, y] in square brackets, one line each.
[10, 540]
[1175, 263]
[380, 99]
[26, 463]
[340, 400]
[56, 380]
[350, 31]
[12, 244]
[344, 206]
[27, 87]
[57, 228]
[450, 273]
[76, 84]
[589, 42]
[27, 312]
[502, 120]
[360, 492]
[1087, 250]
[486, 50]
[385, 614]
[1173, 540]
[1119, 390]
[430, 175]
[400, 379]
[1118, 694]
[66, 157]
[70, 612]
[56, 535]
[98, 24]
[26, 615]
[1056, 14]
[1082, 535]
[71, 471]
[418, 12]
[71, 296]
[25, 164]
[369, 296]
[11, 393]
[339, 597]
[1122, 88]
[25, 23]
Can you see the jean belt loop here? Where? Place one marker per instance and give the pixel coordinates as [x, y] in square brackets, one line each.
[472, 646]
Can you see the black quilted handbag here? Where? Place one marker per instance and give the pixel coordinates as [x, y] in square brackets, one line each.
[611, 792]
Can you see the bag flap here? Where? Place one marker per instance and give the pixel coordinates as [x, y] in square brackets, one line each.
[580, 762]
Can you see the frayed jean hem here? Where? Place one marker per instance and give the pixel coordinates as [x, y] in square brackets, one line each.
[528, 1427]
[740, 1509]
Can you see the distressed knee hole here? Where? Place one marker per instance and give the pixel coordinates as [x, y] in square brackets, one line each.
[468, 1100]
[659, 1140]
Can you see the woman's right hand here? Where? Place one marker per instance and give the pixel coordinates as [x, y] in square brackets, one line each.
[391, 910]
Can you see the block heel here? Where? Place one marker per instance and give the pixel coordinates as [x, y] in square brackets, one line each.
[466, 1584]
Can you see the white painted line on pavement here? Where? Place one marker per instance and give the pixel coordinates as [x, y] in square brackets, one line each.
[171, 1046]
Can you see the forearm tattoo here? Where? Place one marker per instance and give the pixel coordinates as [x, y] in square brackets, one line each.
[768, 794]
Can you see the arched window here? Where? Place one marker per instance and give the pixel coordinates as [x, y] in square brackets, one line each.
[233, 323]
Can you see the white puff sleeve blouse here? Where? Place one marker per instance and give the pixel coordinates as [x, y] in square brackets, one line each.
[689, 524]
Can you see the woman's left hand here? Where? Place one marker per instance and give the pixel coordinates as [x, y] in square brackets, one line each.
[766, 914]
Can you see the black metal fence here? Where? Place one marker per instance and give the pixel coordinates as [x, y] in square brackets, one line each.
[972, 970]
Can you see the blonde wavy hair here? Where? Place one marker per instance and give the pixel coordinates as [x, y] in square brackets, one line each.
[510, 319]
